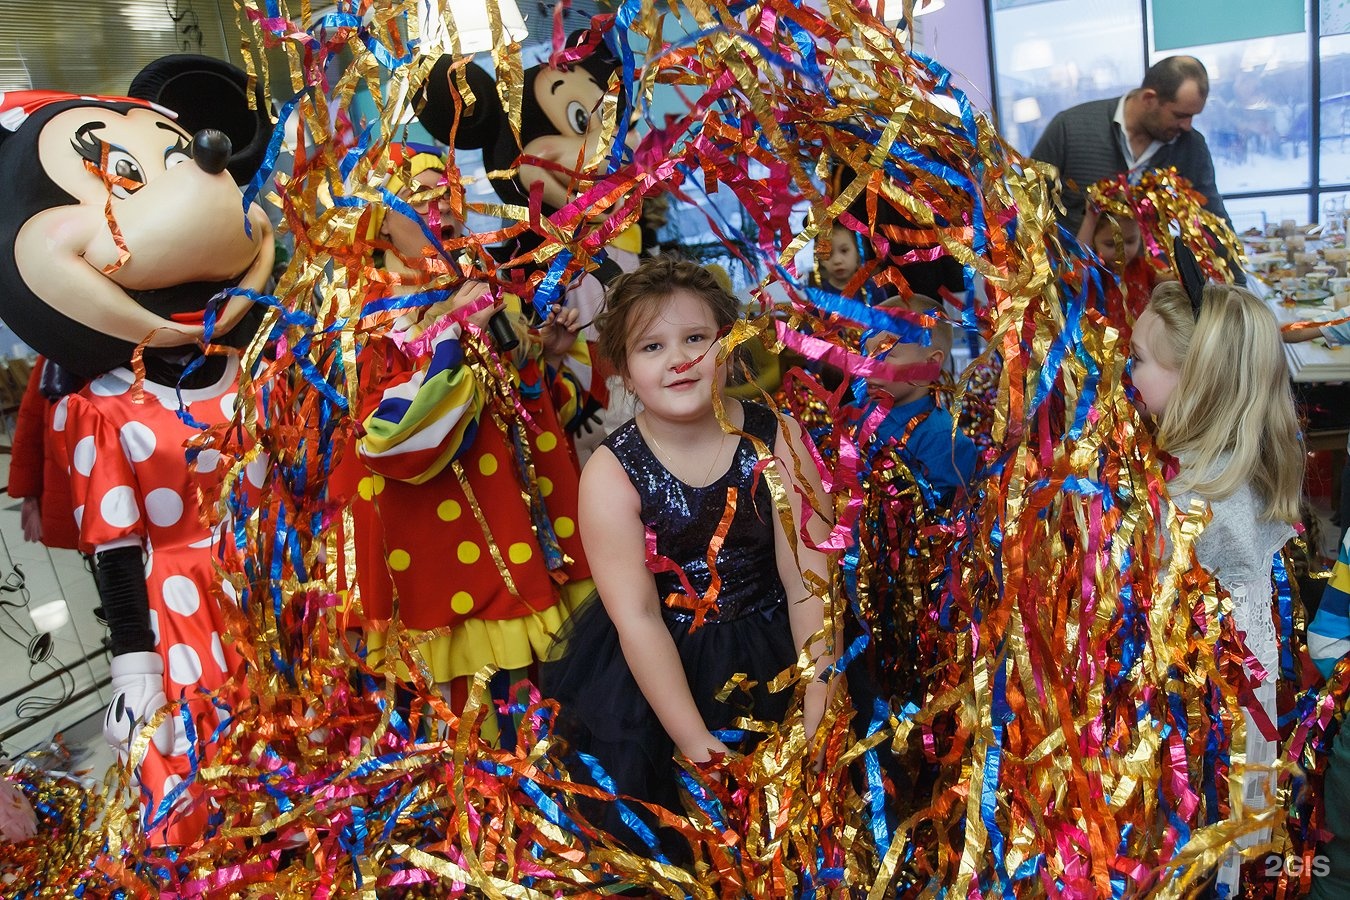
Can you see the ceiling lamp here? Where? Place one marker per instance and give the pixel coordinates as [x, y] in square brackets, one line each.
[472, 23]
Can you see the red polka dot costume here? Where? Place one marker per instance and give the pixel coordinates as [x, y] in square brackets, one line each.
[131, 486]
[447, 520]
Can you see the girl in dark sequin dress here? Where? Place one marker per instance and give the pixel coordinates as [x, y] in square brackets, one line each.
[697, 580]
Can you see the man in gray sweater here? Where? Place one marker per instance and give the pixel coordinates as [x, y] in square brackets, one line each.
[1148, 128]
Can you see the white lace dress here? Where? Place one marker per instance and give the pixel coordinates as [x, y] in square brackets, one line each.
[1238, 547]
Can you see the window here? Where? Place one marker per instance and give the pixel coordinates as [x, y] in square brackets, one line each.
[1053, 55]
[1333, 213]
[1257, 212]
[1257, 117]
[1335, 109]
[1279, 149]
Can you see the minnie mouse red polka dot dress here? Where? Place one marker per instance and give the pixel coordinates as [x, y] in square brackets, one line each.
[130, 485]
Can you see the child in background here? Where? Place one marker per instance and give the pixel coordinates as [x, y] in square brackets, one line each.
[1118, 241]
[935, 450]
[1210, 371]
[848, 250]
[676, 620]
[1333, 333]
[844, 260]
[912, 468]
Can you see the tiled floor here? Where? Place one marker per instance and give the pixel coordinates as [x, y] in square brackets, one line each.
[57, 597]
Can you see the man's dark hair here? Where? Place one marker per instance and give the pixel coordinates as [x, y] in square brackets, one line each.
[1166, 76]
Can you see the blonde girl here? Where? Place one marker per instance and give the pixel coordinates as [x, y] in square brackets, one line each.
[1210, 370]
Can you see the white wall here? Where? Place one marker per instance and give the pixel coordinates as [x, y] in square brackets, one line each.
[957, 37]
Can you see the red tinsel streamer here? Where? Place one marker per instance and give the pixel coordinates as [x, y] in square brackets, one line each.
[1068, 684]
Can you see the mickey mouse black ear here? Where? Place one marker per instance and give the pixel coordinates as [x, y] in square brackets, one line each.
[598, 38]
[436, 104]
[211, 93]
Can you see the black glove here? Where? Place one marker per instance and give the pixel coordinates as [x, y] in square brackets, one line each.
[137, 670]
[586, 419]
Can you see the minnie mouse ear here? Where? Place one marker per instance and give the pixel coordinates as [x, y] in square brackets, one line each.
[1188, 270]
[211, 93]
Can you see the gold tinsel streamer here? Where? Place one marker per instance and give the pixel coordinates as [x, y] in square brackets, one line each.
[1042, 719]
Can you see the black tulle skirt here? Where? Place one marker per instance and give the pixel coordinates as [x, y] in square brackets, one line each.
[603, 712]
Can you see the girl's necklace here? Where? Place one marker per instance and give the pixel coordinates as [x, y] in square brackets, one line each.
[670, 460]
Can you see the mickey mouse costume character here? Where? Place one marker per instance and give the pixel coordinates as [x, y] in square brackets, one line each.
[561, 125]
[123, 221]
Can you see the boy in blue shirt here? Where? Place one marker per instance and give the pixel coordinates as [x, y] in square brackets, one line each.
[914, 468]
[1328, 641]
[938, 453]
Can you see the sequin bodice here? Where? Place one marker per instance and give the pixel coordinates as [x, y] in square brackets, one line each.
[686, 520]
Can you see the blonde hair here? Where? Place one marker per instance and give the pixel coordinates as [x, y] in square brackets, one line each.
[1232, 397]
[941, 330]
[408, 161]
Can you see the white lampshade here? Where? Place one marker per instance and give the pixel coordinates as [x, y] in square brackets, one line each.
[891, 11]
[1026, 110]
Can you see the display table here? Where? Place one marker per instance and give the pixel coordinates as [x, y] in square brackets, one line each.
[1319, 373]
[1309, 361]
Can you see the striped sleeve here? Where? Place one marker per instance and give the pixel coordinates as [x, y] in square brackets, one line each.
[425, 417]
[1338, 333]
[1329, 633]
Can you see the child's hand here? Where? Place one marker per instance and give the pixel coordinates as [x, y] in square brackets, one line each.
[704, 749]
[818, 764]
[1292, 336]
[1091, 214]
[468, 294]
[559, 333]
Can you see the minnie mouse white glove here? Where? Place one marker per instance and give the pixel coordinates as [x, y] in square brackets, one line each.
[137, 694]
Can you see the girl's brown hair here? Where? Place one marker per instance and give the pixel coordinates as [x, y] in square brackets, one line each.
[1232, 397]
[635, 297]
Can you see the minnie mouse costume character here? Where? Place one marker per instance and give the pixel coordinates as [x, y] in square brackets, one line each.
[123, 222]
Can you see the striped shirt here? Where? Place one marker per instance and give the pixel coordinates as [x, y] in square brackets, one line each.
[1329, 633]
